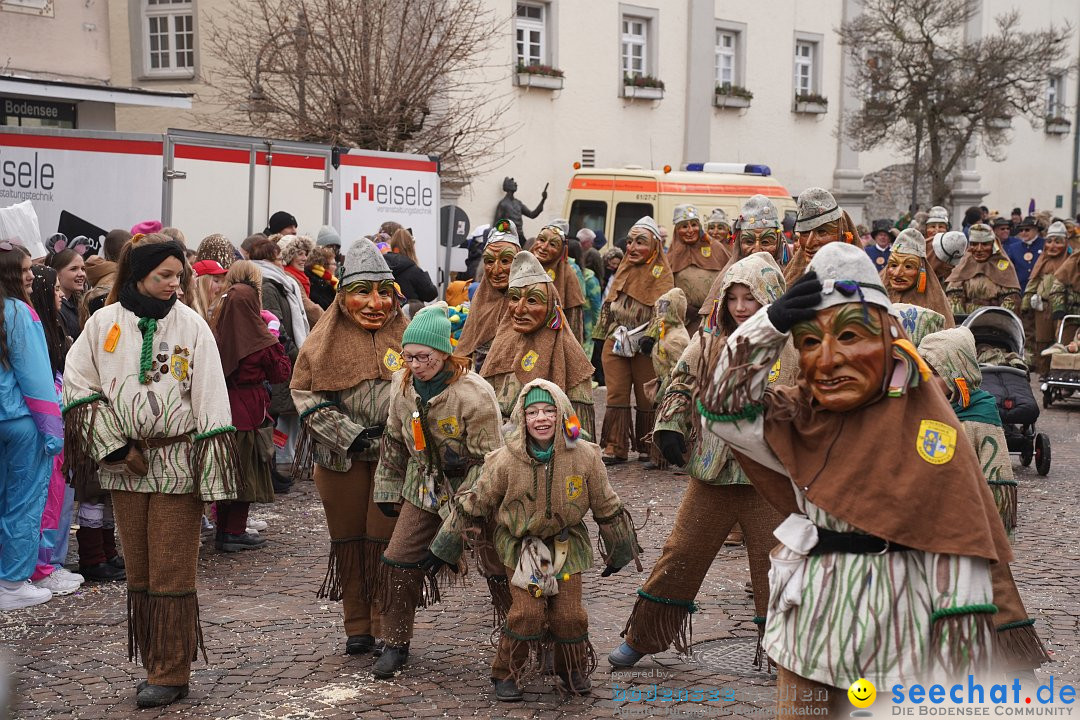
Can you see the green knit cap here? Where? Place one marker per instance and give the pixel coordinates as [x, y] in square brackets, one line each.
[538, 395]
[430, 327]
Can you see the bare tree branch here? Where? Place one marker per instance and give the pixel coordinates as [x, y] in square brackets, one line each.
[916, 71]
[393, 75]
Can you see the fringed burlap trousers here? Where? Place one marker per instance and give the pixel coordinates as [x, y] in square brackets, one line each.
[623, 375]
[359, 533]
[557, 624]
[707, 513]
[161, 550]
[404, 586]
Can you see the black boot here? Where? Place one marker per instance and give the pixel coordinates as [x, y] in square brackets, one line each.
[158, 695]
[507, 691]
[235, 543]
[359, 644]
[576, 682]
[392, 659]
[282, 484]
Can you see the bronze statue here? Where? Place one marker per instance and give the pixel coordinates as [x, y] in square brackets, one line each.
[510, 208]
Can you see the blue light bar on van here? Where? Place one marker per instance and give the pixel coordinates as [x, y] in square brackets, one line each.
[740, 168]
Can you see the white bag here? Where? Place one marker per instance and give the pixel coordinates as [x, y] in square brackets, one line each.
[797, 536]
[19, 224]
[627, 341]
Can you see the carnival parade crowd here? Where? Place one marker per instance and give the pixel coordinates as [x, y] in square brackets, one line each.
[149, 392]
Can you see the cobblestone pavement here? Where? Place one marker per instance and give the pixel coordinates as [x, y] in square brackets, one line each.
[278, 652]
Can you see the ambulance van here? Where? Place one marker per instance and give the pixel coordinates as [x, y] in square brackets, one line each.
[612, 200]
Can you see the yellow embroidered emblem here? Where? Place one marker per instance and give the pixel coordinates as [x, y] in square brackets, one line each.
[706, 251]
[178, 367]
[551, 274]
[392, 360]
[657, 270]
[936, 442]
[575, 485]
[1003, 264]
[449, 426]
[774, 372]
[528, 361]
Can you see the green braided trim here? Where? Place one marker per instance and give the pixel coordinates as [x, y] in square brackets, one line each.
[138, 588]
[523, 638]
[571, 641]
[147, 326]
[82, 401]
[215, 431]
[690, 605]
[759, 620]
[750, 412]
[963, 610]
[402, 565]
[179, 593]
[609, 518]
[1018, 624]
[320, 406]
[1002, 482]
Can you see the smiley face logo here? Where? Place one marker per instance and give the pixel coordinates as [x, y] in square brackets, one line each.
[862, 693]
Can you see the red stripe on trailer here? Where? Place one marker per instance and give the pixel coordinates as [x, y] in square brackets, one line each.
[127, 147]
[390, 163]
[304, 162]
[212, 154]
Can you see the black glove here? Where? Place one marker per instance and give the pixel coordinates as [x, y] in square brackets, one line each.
[797, 304]
[645, 346]
[388, 509]
[610, 570]
[454, 465]
[432, 563]
[672, 445]
[117, 455]
[360, 444]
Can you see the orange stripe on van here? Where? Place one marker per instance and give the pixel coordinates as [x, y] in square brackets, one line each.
[651, 186]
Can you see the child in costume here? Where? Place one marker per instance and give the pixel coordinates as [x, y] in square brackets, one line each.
[538, 488]
[867, 582]
[443, 419]
[145, 398]
[719, 494]
[341, 387]
[666, 337]
[952, 355]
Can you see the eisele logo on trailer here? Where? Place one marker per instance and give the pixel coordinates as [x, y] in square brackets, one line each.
[390, 194]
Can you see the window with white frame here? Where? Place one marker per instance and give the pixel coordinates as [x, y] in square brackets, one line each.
[635, 46]
[1054, 89]
[530, 34]
[168, 28]
[727, 43]
[805, 57]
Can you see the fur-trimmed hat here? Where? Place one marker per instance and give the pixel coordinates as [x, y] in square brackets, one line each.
[293, 245]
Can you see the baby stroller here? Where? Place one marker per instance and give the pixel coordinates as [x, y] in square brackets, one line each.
[999, 339]
[1063, 380]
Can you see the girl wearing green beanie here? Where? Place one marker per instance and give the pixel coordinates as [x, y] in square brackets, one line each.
[443, 419]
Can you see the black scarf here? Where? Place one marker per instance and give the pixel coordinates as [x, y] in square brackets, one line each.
[144, 306]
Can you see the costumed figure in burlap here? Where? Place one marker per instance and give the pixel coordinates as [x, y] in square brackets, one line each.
[551, 249]
[489, 302]
[951, 354]
[696, 260]
[719, 494]
[938, 257]
[341, 388]
[145, 397]
[984, 277]
[534, 341]
[643, 276]
[918, 321]
[1036, 302]
[718, 228]
[537, 490]
[820, 221]
[443, 419]
[883, 571]
[909, 279]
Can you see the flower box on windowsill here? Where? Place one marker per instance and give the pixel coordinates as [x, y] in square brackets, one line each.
[811, 107]
[643, 93]
[535, 80]
[1057, 126]
[721, 100]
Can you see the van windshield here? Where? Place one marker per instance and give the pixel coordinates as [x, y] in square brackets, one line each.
[626, 214]
[588, 213]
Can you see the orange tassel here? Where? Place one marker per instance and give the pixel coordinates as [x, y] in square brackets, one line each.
[965, 393]
[418, 433]
[922, 281]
